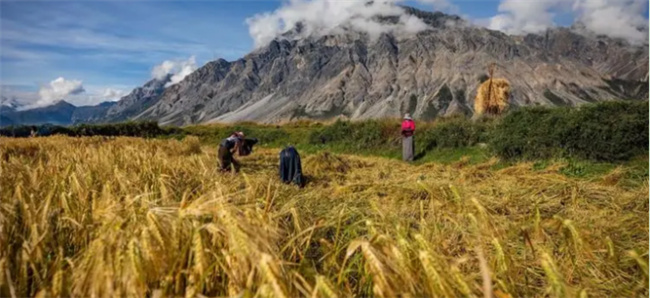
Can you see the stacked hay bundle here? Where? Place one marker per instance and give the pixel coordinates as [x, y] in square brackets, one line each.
[492, 97]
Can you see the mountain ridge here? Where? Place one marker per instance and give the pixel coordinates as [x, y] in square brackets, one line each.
[354, 75]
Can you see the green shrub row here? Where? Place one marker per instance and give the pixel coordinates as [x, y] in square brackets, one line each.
[455, 132]
[606, 131]
[267, 135]
[148, 129]
[369, 134]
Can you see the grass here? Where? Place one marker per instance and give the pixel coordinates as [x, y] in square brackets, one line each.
[98, 217]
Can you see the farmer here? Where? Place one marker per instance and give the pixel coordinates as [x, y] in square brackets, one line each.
[290, 167]
[408, 129]
[227, 148]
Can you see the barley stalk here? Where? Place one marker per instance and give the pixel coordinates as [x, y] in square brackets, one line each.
[128, 217]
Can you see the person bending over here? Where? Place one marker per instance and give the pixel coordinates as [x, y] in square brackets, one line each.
[227, 149]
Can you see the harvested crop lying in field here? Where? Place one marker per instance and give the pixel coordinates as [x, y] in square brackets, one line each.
[95, 217]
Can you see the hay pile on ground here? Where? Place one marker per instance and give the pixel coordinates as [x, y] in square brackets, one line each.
[87, 217]
[492, 97]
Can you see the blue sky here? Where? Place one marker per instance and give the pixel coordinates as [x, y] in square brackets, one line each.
[115, 44]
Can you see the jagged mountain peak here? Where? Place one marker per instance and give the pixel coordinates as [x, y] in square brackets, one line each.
[432, 20]
[357, 76]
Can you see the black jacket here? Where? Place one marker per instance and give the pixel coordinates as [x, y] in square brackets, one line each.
[247, 146]
[290, 167]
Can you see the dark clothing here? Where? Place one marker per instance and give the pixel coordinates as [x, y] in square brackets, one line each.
[229, 142]
[226, 159]
[290, 167]
[225, 155]
[247, 146]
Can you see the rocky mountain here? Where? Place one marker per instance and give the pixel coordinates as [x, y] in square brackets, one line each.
[91, 114]
[60, 113]
[136, 102]
[433, 73]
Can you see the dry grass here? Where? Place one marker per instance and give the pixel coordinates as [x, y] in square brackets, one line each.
[94, 217]
[492, 99]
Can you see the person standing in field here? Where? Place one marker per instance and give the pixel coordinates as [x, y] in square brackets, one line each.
[227, 149]
[408, 129]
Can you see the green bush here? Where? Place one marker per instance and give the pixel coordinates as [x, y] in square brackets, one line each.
[606, 131]
[370, 134]
[22, 131]
[534, 132]
[133, 129]
[609, 131]
[148, 129]
[268, 135]
[455, 132]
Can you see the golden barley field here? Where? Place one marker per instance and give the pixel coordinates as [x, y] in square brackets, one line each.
[128, 217]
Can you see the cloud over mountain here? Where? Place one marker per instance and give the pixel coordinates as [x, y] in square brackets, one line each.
[179, 69]
[614, 18]
[57, 90]
[321, 17]
[113, 94]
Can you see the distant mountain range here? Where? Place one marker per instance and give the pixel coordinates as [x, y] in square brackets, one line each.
[60, 113]
[433, 73]
[10, 104]
[64, 113]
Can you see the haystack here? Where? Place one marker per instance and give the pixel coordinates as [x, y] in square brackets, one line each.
[492, 97]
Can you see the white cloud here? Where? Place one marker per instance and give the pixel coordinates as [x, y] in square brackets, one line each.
[94, 94]
[113, 94]
[525, 16]
[17, 95]
[322, 17]
[57, 90]
[442, 5]
[91, 94]
[179, 69]
[614, 18]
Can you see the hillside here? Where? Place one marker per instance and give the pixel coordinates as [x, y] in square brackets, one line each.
[134, 103]
[433, 73]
